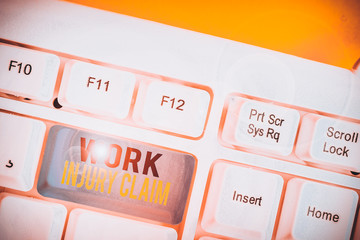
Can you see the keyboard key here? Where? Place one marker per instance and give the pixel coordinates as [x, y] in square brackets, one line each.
[261, 126]
[242, 202]
[21, 141]
[84, 224]
[114, 174]
[330, 142]
[28, 73]
[209, 238]
[173, 107]
[317, 211]
[28, 218]
[97, 89]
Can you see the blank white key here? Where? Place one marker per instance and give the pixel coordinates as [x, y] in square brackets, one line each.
[173, 107]
[242, 202]
[317, 211]
[27, 73]
[97, 89]
[330, 142]
[28, 218]
[21, 141]
[84, 224]
[263, 126]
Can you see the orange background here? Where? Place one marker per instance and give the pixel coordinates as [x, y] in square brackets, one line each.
[327, 31]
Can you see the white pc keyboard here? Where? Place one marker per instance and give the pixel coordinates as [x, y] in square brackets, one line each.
[154, 132]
